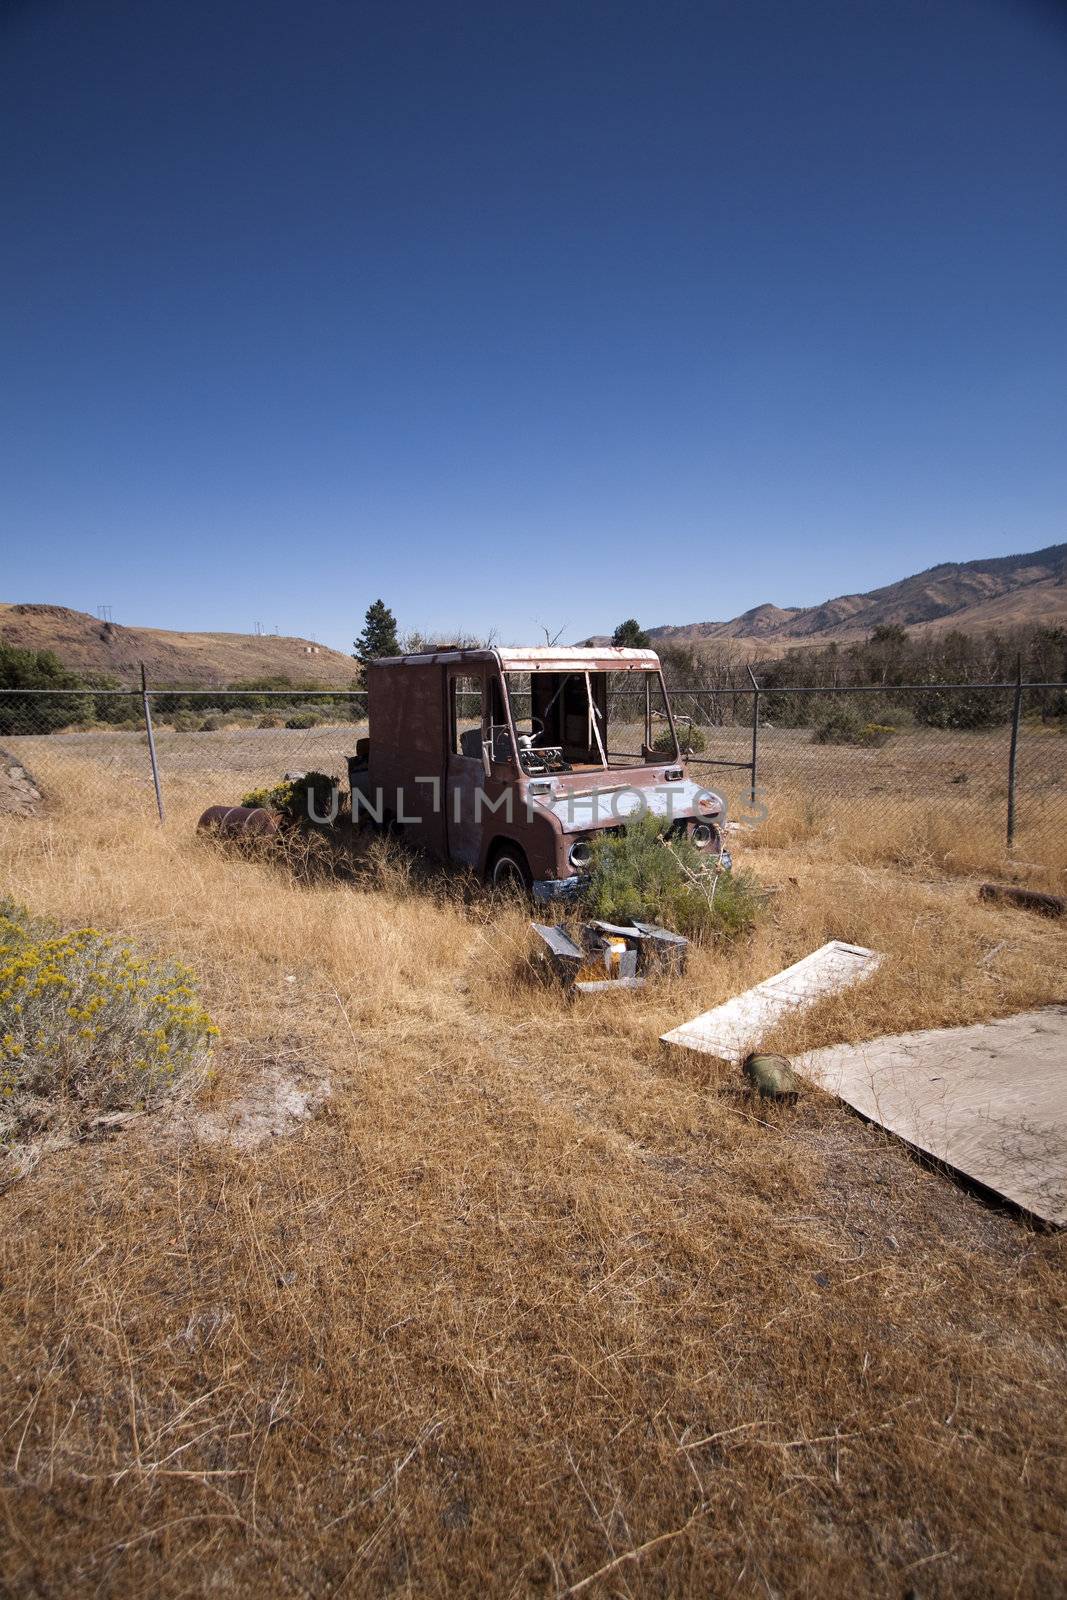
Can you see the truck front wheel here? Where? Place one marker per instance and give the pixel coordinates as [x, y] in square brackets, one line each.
[509, 870]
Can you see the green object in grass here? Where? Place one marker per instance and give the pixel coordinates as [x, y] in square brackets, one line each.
[772, 1077]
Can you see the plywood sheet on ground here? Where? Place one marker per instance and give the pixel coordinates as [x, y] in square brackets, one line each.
[732, 1030]
[989, 1100]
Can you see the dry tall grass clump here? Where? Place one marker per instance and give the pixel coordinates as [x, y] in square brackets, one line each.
[915, 835]
[534, 1305]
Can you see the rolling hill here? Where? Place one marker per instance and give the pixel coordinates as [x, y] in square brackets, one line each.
[202, 660]
[1001, 592]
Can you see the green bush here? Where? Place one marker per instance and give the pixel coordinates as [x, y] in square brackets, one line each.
[39, 713]
[113, 708]
[303, 719]
[812, 710]
[963, 709]
[640, 874]
[291, 796]
[88, 1026]
[271, 796]
[841, 720]
[690, 737]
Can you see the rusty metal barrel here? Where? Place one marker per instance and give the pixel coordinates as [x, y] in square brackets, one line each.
[246, 822]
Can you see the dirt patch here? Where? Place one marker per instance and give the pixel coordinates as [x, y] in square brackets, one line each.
[19, 794]
[272, 1107]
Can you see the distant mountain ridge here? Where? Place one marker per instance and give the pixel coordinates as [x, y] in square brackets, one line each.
[996, 592]
[195, 660]
[1000, 591]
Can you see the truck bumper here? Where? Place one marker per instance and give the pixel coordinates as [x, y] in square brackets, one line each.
[556, 888]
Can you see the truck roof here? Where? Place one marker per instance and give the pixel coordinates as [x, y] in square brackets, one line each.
[539, 658]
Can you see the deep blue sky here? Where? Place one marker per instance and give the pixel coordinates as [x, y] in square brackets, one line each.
[522, 314]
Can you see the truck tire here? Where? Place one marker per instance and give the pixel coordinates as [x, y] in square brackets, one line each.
[508, 869]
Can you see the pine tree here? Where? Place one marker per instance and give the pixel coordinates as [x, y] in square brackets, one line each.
[379, 634]
[631, 634]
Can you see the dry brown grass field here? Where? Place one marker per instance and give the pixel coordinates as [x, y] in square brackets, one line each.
[533, 1305]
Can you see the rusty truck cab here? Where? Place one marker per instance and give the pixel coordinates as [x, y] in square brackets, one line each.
[508, 761]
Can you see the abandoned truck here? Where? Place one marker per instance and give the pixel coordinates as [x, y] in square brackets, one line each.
[509, 761]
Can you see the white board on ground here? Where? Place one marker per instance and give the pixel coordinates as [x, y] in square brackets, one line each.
[988, 1100]
[732, 1030]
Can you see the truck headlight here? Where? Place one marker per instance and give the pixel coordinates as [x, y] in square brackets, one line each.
[581, 854]
[701, 836]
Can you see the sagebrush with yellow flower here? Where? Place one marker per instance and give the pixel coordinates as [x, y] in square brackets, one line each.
[89, 1026]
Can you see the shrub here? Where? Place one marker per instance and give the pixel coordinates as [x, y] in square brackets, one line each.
[211, 724]
[842, 721]
[269, 722]
[291, 796]
[640, 874]
[321, 786]
[272, 797]
[88, 1026]
[303, 719]
[112, 708]
[964, 709]
[41, 713]
[690, 737]
[877, 733]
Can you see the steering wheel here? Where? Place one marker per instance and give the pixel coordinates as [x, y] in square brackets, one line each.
[536, 732]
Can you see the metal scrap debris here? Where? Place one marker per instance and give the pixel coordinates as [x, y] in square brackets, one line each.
[1046, 905]
[599, 956]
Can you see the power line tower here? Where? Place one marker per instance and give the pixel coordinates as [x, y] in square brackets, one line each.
[104, 613]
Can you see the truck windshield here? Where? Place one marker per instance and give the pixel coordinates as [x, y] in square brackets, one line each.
[573, 721]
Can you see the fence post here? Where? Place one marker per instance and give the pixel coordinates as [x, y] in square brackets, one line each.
[755, 734]
[151, 742]
[1013, 751]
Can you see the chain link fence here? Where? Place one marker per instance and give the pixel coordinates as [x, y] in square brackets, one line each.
[987, 760]
[986, 763]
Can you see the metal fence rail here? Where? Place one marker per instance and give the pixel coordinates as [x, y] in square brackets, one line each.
[990, 756]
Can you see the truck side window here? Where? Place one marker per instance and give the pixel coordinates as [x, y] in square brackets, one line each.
[466, 716]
